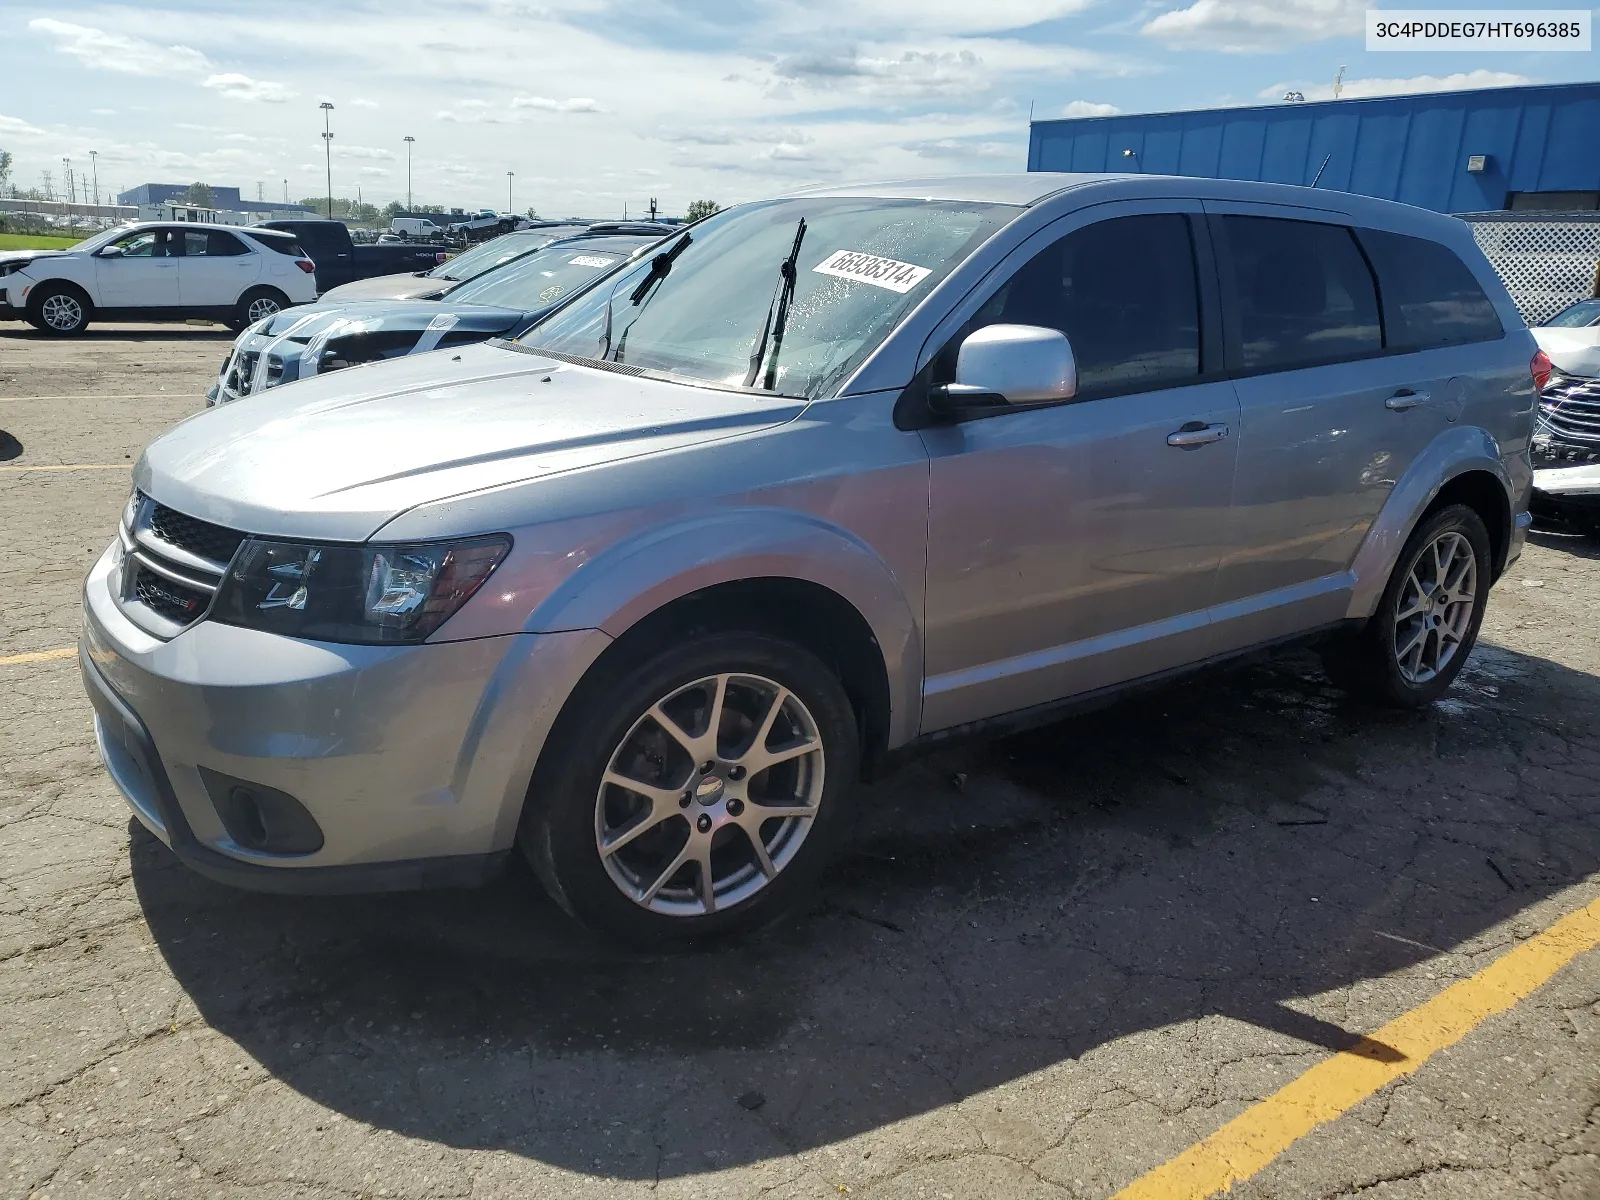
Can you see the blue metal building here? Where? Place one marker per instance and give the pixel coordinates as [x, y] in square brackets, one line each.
[1521, 148]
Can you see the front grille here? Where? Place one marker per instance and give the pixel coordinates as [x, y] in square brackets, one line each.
[242, 372]
[195, 536]
[1569, 413]
[172, 566]
[178, 604]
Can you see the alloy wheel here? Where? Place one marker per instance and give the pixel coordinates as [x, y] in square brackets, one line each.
[709, 795]
[61, 312]
[1434, 610]
[262, 306]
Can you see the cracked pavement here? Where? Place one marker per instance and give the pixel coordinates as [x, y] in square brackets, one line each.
[1047, 964]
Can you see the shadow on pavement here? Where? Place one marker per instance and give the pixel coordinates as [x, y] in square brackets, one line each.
[1228, 845]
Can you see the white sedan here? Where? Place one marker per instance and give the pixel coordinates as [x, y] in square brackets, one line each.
[157, 272]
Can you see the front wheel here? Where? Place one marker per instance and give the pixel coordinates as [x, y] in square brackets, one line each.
[1427, 622]
[697, 795]
[58, 309]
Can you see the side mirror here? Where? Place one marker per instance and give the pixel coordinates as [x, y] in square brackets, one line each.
[1008, 364]
[109, 252]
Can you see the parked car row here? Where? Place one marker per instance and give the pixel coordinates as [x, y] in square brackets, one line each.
[502, 300]
[756, 508]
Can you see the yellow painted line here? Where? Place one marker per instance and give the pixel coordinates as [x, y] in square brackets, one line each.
[74, 467]
[1246, 1144]
[16, 660]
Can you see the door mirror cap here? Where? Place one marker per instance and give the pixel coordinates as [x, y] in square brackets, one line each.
[109, 252]
[1009, 364]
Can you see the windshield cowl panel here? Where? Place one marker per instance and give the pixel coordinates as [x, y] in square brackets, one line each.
[860, 267]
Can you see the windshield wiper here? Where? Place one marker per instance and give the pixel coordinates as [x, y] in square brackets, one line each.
[774, 328]
[660, 268]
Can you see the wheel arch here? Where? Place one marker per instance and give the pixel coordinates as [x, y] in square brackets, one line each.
[790, 574]
[1462, 465]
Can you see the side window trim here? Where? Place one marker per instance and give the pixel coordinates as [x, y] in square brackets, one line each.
[910, 408]
[1233, 342]
[1358, 232]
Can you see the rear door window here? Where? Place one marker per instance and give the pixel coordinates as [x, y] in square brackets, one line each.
[1430, 298]
[1301, 293]
[1122, 290]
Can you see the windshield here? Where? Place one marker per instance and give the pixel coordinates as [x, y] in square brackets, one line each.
[1579, 316]
[474, 262]
[726, 298]
[542, 278]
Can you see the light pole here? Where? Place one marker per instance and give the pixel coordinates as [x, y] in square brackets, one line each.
[408, 140]
[509, 174]
[327, 150]
[94, 168]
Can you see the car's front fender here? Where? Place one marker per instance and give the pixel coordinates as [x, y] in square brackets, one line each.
[641, 574]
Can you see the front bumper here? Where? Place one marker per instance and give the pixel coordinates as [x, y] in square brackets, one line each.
[412, 760]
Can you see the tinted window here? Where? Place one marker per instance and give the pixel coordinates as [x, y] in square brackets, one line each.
[1124, 293]
[1429, 296]
[1302, 293]
[201, 243]
[223, 245]
[281, 242]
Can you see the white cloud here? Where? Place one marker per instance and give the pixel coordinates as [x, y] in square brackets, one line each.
[1255, 26]
[360, 102]
[1357, 88]
[1088, 108]
[241, 87]
[103, 112]
[17, 127]
[577, 104]
[369, 152]
[102, 51]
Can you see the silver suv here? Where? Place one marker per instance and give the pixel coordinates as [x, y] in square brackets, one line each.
[642, 594]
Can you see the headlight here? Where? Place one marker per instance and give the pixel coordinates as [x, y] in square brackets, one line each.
[7, 268]
[375, 594]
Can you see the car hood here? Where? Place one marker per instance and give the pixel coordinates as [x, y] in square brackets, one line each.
[406, 286]
[12, 256]
[338, 456]
[1572, 351]
[309, 321]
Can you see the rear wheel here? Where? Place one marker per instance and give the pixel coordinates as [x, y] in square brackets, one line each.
[1427, 622]
[59, 309]
[697, 795]
[255, 304]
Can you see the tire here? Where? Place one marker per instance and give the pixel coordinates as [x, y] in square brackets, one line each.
[59, 309]
[650, 889]
[257, 298]
[1411, 650]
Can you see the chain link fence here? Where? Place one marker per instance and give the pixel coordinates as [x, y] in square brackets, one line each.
[1545, 260]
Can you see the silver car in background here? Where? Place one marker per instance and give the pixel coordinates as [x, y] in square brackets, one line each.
[642, 593]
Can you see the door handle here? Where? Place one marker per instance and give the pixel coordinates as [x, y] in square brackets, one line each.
[1405, 398]
[1195, 434]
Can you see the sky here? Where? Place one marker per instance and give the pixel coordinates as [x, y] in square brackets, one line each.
[596, 106]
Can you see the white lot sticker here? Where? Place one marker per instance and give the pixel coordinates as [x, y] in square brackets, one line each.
[869, 268]
[590, 260]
